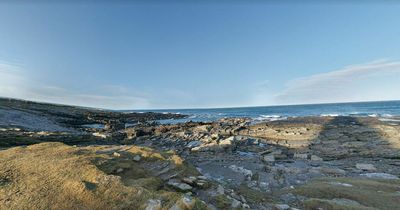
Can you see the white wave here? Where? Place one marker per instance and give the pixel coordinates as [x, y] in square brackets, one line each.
[373, 115]
[387, 115]
[330, 115]
[389, 120]
[269, 118]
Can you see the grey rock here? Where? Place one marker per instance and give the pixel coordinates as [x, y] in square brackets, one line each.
[365, 167]
[180, 186]
[269, 158]
[137, 158]
[303, 156]
[281, 207]
[380, 176]
[153, 204]
[316, 158]
[235, 203]
[220, 190]
[193, 144]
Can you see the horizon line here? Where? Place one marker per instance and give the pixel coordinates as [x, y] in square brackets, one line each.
[204, 108]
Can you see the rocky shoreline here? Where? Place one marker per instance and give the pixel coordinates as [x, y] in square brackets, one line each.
[297, 163]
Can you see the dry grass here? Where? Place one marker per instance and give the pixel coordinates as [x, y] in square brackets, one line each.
[56, 176]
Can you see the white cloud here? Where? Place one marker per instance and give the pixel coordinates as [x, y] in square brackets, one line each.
[378, 80]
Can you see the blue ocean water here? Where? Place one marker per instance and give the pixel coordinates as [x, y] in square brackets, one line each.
[382, 109]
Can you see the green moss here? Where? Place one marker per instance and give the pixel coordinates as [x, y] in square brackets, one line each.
[198, 205]
[222, 202]
[373, 193]
[251, 195]
[332, 205]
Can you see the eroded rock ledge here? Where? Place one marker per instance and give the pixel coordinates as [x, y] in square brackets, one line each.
[298, 163]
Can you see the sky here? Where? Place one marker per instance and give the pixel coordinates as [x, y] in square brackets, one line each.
[187, 54]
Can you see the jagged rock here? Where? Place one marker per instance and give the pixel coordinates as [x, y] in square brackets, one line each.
[365, 167]
[247, 173]
[180, 186]
[227, 142]
[202, 184]
[202, 128]
[189, 180]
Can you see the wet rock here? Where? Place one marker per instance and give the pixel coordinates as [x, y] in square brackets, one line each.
[365, 167]
[193, 144]
[153, 204]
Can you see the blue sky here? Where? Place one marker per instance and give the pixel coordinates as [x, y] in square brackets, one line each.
[138, 55]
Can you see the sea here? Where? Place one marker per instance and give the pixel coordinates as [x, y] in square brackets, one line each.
[384, 110]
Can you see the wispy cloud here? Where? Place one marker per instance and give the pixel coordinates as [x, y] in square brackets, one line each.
[16, 83]
[377, 80]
